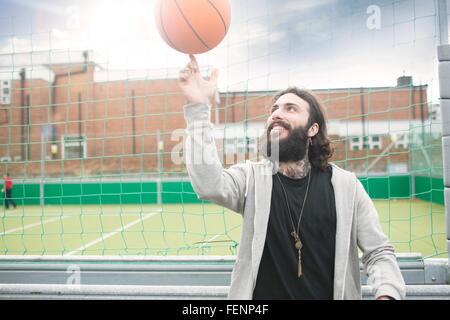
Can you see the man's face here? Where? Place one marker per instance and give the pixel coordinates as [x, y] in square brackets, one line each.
[287, 113]
[286, 137]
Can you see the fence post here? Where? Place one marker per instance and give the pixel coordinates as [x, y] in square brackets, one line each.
[444, 87]
[442, 21]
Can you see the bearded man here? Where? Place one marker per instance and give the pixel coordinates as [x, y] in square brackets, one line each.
[304, 218]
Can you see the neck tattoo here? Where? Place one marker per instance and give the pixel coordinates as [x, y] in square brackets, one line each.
[295, 170]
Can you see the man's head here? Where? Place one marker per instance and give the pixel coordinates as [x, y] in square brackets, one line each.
[296, 120]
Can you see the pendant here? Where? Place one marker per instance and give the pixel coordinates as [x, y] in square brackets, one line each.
[298, 246]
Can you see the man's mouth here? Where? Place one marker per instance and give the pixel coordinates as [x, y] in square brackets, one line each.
[278, 127]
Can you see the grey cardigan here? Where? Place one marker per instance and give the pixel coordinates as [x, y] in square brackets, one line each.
[246, 188]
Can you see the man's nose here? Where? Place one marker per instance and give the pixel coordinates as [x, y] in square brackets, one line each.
[277, 115]
[275, 118]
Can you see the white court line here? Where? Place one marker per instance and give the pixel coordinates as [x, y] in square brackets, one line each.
[29, 226]
[209, 240]
[108, 235]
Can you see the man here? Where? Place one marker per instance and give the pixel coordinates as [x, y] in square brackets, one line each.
[304, 218]
[8, 191]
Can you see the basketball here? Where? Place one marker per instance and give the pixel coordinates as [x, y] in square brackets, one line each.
[192, 26]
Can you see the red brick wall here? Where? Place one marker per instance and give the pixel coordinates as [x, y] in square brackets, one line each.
[37, 91]
[107, 118]
[380, 104]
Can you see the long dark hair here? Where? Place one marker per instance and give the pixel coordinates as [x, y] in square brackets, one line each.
[320, 151]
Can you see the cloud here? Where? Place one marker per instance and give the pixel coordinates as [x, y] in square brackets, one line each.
[49, 7]
[270, 44]
[297, 6]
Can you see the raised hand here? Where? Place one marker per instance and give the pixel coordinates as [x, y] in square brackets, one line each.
[195, 88]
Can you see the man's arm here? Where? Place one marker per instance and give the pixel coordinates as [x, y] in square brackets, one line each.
[380, 263]
[225, 187]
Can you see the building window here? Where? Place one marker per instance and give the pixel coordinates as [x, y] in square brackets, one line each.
[74, 147]
[401, 141]
[5, 92]
[369, 142]
[375, 142]
[356, 144]
[366, 144]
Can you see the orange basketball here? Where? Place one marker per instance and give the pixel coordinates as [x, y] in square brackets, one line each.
[192, 26]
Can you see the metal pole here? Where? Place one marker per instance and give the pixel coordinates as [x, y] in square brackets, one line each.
[22, 110]
[444, 83]
[442, 21]
[363, 117]
[158, 184]
[133, 120]
[43, 156]
[79, 126]
[27, 156]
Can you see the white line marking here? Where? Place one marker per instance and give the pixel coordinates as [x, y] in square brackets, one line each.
[211, 239]
[108, 235]
[29, 226]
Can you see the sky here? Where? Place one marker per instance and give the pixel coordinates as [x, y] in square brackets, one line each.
[270, 44]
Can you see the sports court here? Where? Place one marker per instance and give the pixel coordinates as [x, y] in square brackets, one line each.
[191, 229]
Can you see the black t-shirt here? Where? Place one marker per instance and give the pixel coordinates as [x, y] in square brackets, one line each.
[277, 275]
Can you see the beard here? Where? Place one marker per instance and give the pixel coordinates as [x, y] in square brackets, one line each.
[292, 148]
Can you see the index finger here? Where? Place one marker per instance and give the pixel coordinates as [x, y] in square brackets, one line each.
[193, 61]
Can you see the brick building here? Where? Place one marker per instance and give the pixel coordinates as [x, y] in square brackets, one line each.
[70, 124]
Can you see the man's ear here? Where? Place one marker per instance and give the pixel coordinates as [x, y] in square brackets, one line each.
[313, 130]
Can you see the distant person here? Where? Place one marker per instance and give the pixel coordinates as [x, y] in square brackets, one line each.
[281, 255]
[7, 189]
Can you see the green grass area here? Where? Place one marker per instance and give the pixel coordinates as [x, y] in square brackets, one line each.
[414, 226]
[189, 229]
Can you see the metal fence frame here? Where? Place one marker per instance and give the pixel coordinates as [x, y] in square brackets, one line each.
[177, 277]
[444, 88]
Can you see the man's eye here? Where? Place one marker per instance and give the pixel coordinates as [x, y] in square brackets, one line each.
[291, 108]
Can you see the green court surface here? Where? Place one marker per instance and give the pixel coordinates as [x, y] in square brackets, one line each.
[188, 229]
